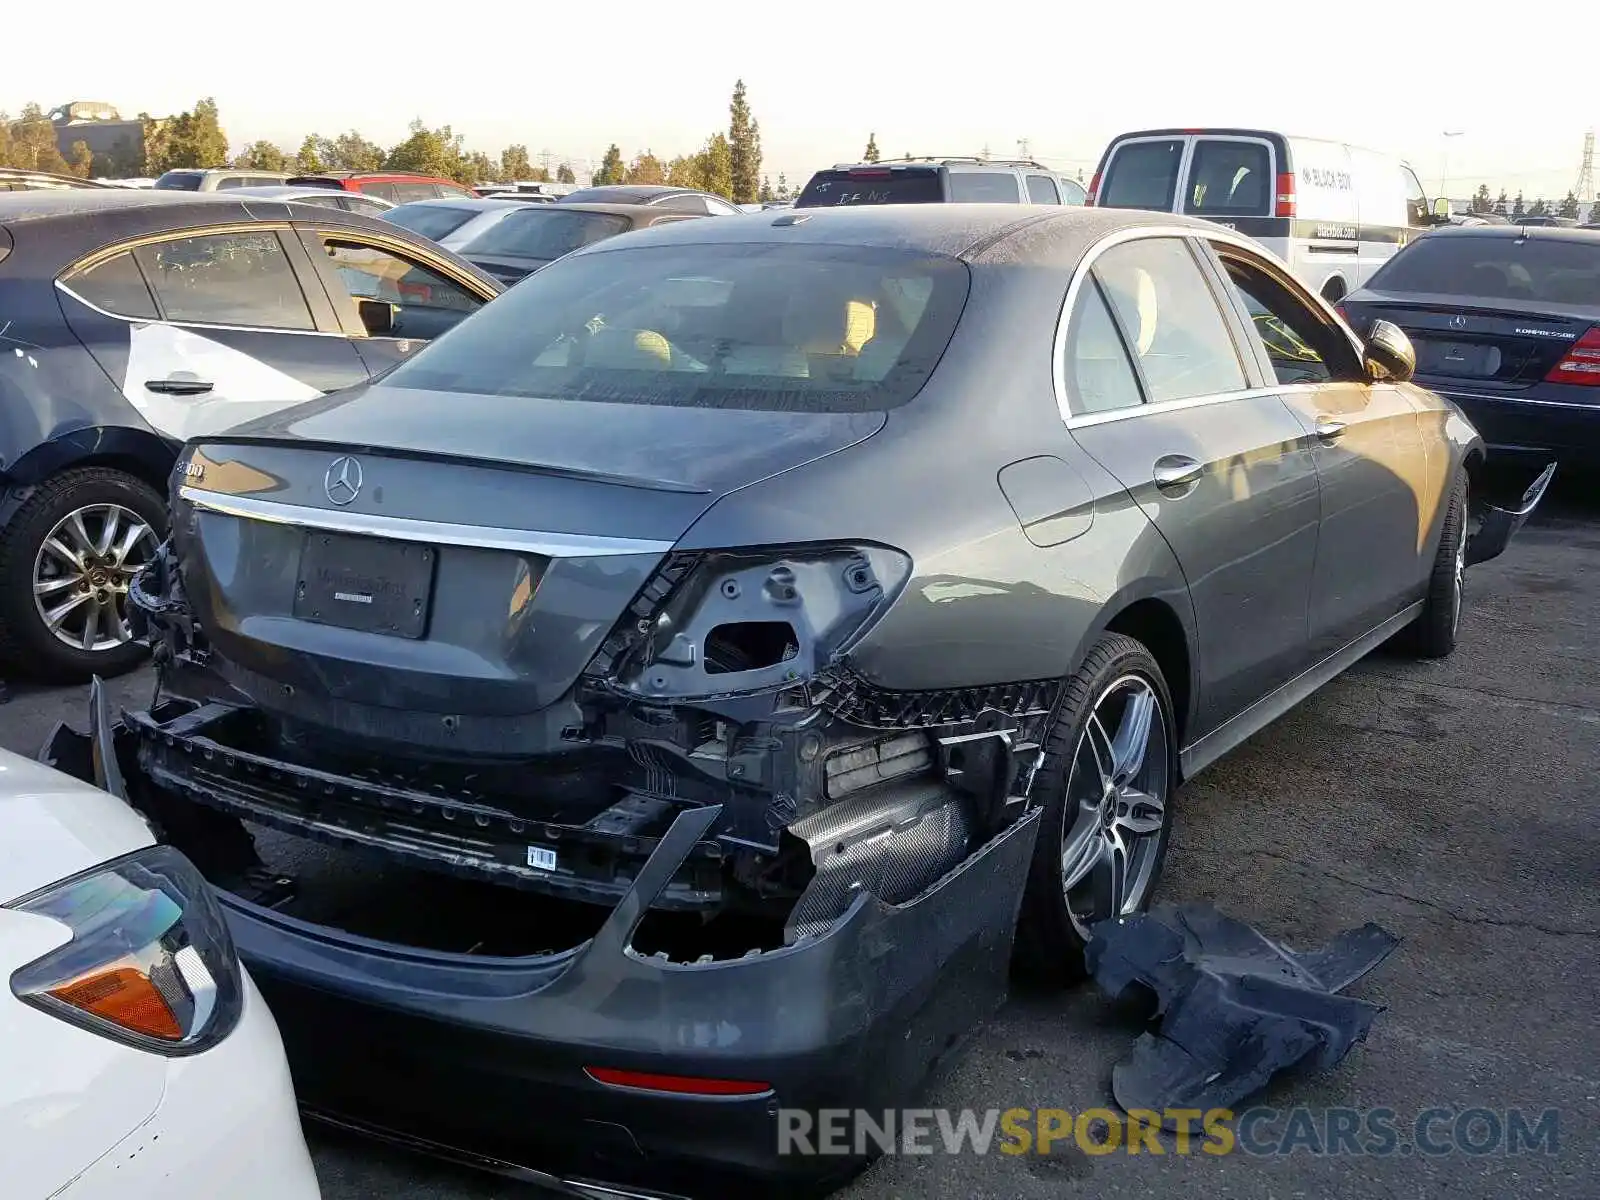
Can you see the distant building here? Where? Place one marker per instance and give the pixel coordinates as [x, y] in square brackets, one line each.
[117, 144]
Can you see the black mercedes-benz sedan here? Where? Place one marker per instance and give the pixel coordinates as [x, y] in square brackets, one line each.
[131, 320]
[711, 665]
[1505, 320]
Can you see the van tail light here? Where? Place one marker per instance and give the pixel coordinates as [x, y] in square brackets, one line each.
[1094, 189]
[149, 963]
[676, 1085]
[1581, 365]
[1285, 205]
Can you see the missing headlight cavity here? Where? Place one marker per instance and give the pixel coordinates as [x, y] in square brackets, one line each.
[749, 645]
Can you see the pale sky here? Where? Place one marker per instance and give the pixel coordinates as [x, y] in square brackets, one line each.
[823, 74]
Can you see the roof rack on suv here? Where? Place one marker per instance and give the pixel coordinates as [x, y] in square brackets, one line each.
[948, 159]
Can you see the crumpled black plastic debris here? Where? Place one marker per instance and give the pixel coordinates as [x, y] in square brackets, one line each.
[1234, 1007]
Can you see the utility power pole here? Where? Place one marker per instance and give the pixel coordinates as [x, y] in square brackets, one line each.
[1585, 189]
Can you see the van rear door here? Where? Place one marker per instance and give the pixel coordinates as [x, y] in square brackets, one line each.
[1142, 172]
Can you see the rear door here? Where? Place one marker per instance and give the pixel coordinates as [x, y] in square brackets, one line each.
[207, 330]
[415, 297]
[1380, 491]
[1142, 173]
[1162, 397]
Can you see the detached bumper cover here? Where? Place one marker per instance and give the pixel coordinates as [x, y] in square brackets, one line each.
[488, 1056]
[1492, 525]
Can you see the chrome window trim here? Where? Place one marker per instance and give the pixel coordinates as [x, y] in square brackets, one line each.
[93, 307]
[1511, 399]
[412, 529]
[1080, 275]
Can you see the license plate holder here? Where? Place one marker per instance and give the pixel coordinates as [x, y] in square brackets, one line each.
[1458, 358]
[365, 584]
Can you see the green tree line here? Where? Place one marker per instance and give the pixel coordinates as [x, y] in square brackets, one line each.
[728, 163]
[1568, 206]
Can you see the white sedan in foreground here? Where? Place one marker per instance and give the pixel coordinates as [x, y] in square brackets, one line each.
[139, 1061]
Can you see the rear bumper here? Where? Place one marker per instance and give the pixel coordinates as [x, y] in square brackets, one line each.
[1531, 426]
[490, 1056]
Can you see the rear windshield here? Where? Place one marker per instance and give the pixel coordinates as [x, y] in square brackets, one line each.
[430, 220]
[1229, 179]
[181, 181]
[544, 233]
[1541, 270]
[983, 187]
[795, 328]
[1142, 175]
[916, 185]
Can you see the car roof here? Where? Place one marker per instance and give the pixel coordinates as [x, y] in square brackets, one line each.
[1543, 233]
[618, 210]
[482, 203]
[966, 231]
[634, 192]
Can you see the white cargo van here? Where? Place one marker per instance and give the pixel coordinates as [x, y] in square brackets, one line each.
[1334, 212]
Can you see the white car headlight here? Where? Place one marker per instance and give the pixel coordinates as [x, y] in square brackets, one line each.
[150, 962]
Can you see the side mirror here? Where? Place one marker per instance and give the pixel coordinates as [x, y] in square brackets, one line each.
[1388, 354]
[378, 316]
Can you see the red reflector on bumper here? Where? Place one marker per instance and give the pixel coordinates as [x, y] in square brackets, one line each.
[676, 1085]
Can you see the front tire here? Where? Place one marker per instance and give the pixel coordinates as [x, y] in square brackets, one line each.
[66, 560]
[1433, 633]
[1106, 784]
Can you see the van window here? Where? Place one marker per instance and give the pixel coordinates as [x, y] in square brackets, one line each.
[1229, 178]
[1142, 175]
[872, 185]
[984, 187]
[1416, 198]
[1042, 190]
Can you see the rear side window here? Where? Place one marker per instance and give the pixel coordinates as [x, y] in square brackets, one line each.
[227, 279]
[1229, 179]
[116, 286]
[794, 328]
[544, 233]
[1098, 370]
[433, 221]
[1042, 190]
[1170, 319]
[1142, 175]
[984, 187]
[1073, 192]
[383, 191]
[916, 185]
[405, 193]
[1540, 270]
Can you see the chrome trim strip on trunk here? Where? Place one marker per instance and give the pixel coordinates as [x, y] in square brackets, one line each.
[412, 529]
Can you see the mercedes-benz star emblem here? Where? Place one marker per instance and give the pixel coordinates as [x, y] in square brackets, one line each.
[1459, 321]
[343, 480]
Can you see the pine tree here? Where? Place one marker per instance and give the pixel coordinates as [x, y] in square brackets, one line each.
[565, 174]
[1519, 209]
[716, 166]
[611, 169]
[1539, 209]
[1568, 206]
[783, 188]
[871, 153]
[1501, 206]
[744, 148]
[765, 196]
[1480, 200]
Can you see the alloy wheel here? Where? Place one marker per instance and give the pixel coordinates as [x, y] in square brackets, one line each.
[82, 573]
[1116, 800]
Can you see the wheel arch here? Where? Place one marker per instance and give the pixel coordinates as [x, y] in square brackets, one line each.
[1157, 626]
[146, 456]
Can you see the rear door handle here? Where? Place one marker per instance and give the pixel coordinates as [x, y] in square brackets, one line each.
[1177, 471]
[179, 387]
[1328, 429]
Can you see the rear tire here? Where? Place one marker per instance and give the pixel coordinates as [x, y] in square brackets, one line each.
[1433, 633]
[1106, 786]
[66, 558]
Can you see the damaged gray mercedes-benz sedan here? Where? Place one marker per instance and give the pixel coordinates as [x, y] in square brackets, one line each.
[752, 624]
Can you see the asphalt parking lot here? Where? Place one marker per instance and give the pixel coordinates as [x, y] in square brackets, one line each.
[1456, 803]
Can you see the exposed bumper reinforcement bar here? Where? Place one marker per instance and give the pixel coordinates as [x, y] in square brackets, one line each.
[1492, 526]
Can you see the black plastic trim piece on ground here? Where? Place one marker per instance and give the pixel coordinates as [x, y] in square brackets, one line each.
[1233, 1006]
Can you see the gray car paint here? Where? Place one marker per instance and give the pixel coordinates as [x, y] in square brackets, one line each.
[986, 604]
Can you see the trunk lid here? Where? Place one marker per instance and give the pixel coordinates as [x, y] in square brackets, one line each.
[1460, 339]
[403, 552]
[508, 269]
